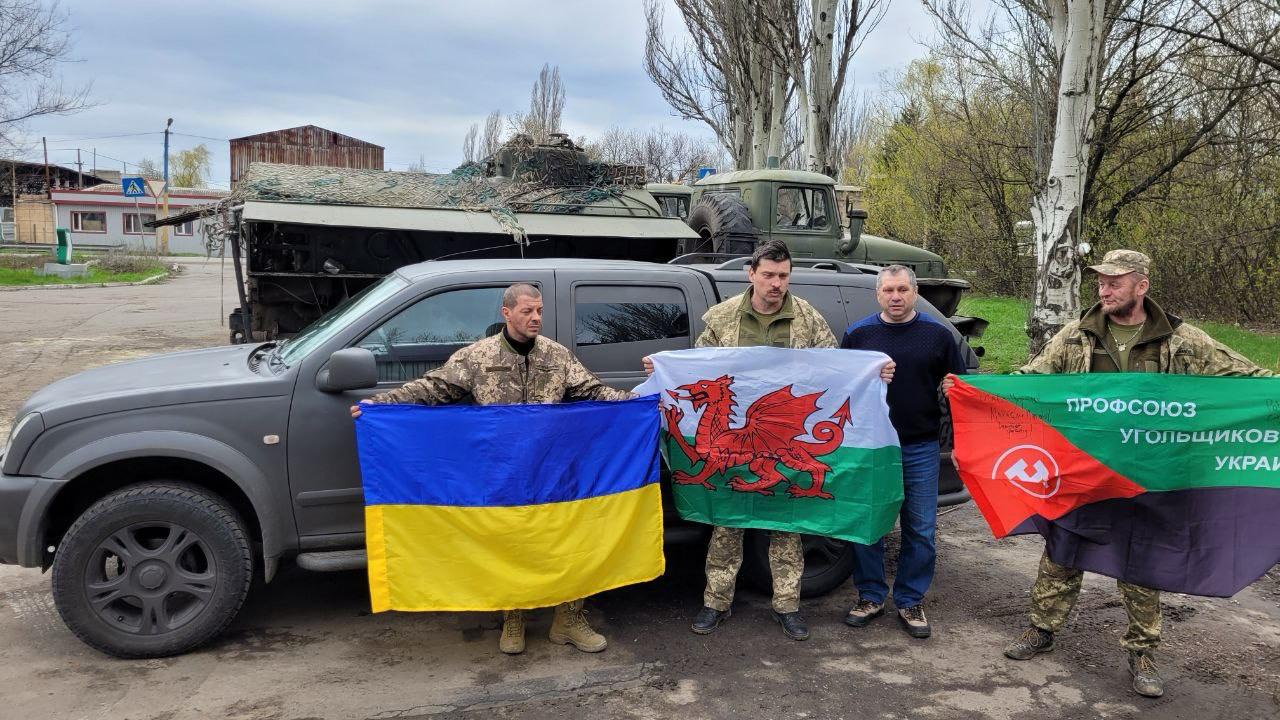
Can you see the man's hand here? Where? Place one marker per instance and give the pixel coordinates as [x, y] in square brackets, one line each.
[355, 409]
[886, 371]
[648, 365]
[948, 382]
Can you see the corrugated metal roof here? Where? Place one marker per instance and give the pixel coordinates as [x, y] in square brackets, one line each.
[306, 135]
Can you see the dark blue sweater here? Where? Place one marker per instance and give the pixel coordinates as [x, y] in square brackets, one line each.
[925, 351]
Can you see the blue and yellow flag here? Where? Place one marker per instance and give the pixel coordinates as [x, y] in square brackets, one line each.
[509, 506]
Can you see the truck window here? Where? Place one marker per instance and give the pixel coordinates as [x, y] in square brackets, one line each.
[422, 336]
[616, 325]
[674, 205]
[802, 209]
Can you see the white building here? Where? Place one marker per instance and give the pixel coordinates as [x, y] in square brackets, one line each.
[102, 215]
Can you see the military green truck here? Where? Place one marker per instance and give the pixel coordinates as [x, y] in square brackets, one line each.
[732, 212]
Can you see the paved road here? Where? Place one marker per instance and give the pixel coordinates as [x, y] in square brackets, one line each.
[306, 646]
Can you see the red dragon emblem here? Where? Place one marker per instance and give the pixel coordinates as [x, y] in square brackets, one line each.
[768, 437]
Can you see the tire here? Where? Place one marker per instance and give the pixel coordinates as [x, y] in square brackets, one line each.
[827, 563]
[152, 570]
[724, 225]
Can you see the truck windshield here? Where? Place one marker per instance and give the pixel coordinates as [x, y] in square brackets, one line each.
[319, 332]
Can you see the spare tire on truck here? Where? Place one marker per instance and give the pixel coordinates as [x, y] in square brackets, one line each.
[723, 225]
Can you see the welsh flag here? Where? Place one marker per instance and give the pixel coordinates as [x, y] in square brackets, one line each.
[1165, 481]
[780, 439]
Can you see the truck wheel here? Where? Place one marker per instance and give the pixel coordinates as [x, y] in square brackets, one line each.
[827, 563]
[152, 570]
[722, 221]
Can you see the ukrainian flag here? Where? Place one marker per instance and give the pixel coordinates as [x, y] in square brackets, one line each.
[509, 506]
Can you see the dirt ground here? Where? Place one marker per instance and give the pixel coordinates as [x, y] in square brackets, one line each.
[306, 646]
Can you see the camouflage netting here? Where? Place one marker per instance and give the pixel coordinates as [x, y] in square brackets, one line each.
[520, 178]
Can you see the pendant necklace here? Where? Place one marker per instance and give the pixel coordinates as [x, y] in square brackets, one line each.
[1122, 345]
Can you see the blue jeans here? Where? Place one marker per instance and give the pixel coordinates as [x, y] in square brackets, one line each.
[919, 522]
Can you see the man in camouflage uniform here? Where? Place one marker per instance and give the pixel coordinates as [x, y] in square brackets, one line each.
[766, 314]
[517, 365]
[1126, 331]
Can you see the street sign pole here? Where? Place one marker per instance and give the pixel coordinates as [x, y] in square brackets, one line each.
[162, 244]
[135, 187]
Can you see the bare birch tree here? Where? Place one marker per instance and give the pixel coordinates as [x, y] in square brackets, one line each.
[723, 76]
[666, 155]
[491, 139]
[1094, 73]
[33, 43]
[814, 41]
[546, 105]
[469, 143]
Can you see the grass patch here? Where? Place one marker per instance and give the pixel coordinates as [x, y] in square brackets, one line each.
[1261, 347]
[1006, 340]
[10, 276]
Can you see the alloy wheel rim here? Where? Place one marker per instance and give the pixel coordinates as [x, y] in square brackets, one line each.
[150, 578]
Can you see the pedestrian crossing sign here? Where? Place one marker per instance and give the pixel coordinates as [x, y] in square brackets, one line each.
[133, 186]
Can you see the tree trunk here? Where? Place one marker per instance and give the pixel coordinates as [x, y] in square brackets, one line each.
[759, 109]
[778, 109]
[1077, 27]
[819, 106]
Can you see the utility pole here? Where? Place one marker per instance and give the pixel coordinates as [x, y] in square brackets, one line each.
[163, 243]
[95, 162]
[13, 184]
[48, 183]
[79, 171]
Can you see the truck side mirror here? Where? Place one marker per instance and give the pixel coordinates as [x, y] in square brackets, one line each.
[348, 369]
[856, 218]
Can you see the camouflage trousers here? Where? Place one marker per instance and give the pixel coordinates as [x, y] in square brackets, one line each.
[1057, 588]
[724, 557]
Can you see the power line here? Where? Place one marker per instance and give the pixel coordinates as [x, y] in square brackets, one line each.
[201, 137]
[103, 137]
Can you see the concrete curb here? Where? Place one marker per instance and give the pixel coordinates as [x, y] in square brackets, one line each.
[73, 286]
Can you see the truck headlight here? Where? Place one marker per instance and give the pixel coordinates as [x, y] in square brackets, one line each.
[16, 432]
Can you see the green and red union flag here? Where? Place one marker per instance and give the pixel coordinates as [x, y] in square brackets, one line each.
[1165, 481]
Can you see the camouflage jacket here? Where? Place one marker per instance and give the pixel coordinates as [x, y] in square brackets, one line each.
[493, 374]
[808, 328]
[1167, 345]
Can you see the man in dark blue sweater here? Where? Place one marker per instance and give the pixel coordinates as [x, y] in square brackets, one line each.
[925, 351]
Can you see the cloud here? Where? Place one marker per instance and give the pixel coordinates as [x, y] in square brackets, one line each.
[409, 76]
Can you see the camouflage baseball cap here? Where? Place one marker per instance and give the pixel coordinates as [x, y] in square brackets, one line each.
[1123, 262]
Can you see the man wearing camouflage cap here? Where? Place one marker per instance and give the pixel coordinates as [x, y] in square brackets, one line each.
[515, 366]
[1126, 331]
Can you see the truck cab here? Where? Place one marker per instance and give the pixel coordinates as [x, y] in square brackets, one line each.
[734, 211]
[674, 199]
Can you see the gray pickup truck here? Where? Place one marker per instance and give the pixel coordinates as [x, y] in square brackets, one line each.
[156, 488]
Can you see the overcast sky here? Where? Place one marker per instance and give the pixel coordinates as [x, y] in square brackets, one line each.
[410, 76]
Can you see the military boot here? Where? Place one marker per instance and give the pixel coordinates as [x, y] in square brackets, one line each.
[571, 627]
[1146, 677]
[512, 640]
[1031, 643]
